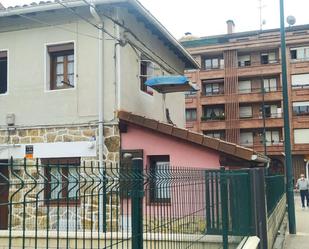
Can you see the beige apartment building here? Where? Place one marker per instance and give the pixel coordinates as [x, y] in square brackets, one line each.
[240, 96]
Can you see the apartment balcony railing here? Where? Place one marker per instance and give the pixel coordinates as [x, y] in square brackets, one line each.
[300, 86]
[260, 116]
[257, 63]
[213, 118]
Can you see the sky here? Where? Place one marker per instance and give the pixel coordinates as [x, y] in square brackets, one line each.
[208, 17]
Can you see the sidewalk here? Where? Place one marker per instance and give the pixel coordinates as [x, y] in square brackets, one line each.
[301, 239]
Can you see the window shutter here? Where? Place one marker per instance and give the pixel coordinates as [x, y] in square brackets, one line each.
[301, 136]
[300, 79]
[3, 54]
[60, 47]
[244, 86]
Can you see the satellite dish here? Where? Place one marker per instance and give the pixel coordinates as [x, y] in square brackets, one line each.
[291, 20]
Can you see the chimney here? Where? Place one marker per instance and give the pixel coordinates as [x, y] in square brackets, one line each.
[230, 26]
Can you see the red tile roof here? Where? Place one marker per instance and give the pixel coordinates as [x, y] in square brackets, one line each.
[193, 137]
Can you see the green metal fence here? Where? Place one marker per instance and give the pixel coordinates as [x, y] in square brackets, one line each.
[275, 189]
[66, 204]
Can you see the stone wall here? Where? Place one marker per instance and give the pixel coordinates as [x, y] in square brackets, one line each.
[66, 134]
[28, 183]
[274, 221]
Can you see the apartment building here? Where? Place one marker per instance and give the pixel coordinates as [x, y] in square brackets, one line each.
[240, 96]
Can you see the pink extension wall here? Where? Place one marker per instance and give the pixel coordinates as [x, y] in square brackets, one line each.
[182, 153]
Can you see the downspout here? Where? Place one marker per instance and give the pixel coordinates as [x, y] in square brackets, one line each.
[118, 64]
[100, 103]
[307, 169]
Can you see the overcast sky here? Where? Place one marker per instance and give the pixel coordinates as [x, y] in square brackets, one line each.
[208, 17]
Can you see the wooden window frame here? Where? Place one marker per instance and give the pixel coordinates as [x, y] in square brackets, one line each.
[63, 164]
[55, 51]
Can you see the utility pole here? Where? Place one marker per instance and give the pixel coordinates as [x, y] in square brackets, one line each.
[287, 138]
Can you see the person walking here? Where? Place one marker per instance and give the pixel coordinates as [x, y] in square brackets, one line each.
[303, 185]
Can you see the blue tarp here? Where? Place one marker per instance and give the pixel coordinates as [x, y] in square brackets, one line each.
[169, 84]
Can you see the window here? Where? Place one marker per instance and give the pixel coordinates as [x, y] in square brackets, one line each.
[270, 85]
[272, 137]
[190, 114]
[271, 111]
[3, 72]
[300, 81]
[213, 113]
[244, 86]
[160, 182]
[62, 183]
[214, 63]
[300, 108]
[301, 136]
[215, 134]
[244, 60]
[62, 74]
[245, 111]
[268, 58]
[213, 87]
[301, 53]
[146, 71]
[246, 138]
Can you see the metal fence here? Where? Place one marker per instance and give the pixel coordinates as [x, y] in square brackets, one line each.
[50, 204]
[275, 189]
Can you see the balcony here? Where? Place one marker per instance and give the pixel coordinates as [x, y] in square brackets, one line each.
[256, 95]
[259, 69]
[258, 123]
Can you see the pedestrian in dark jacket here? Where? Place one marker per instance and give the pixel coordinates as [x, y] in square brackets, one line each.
[303, 186]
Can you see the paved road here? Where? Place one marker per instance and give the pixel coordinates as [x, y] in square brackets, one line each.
[301, 239]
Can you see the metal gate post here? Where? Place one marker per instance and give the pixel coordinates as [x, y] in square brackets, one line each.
[224, 208]
[137, 203]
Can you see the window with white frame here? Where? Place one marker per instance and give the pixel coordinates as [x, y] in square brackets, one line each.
[300, 53]
[270, 85]
[61, 61]
[272, 137]
[3, 72]
[214, 63]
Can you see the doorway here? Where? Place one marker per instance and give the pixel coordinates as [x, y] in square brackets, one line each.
[4, 194]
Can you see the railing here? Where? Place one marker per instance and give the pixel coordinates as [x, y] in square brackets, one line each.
[260, 116]
[259, 90]
[119, 206]
[213, 118]
[300, 86]
[275, 189]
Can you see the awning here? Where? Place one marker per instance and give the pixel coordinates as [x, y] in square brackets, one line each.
[171, 84]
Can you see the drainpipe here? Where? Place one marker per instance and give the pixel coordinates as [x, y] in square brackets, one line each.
[307, 169]
[118, 64]
[100, 102]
